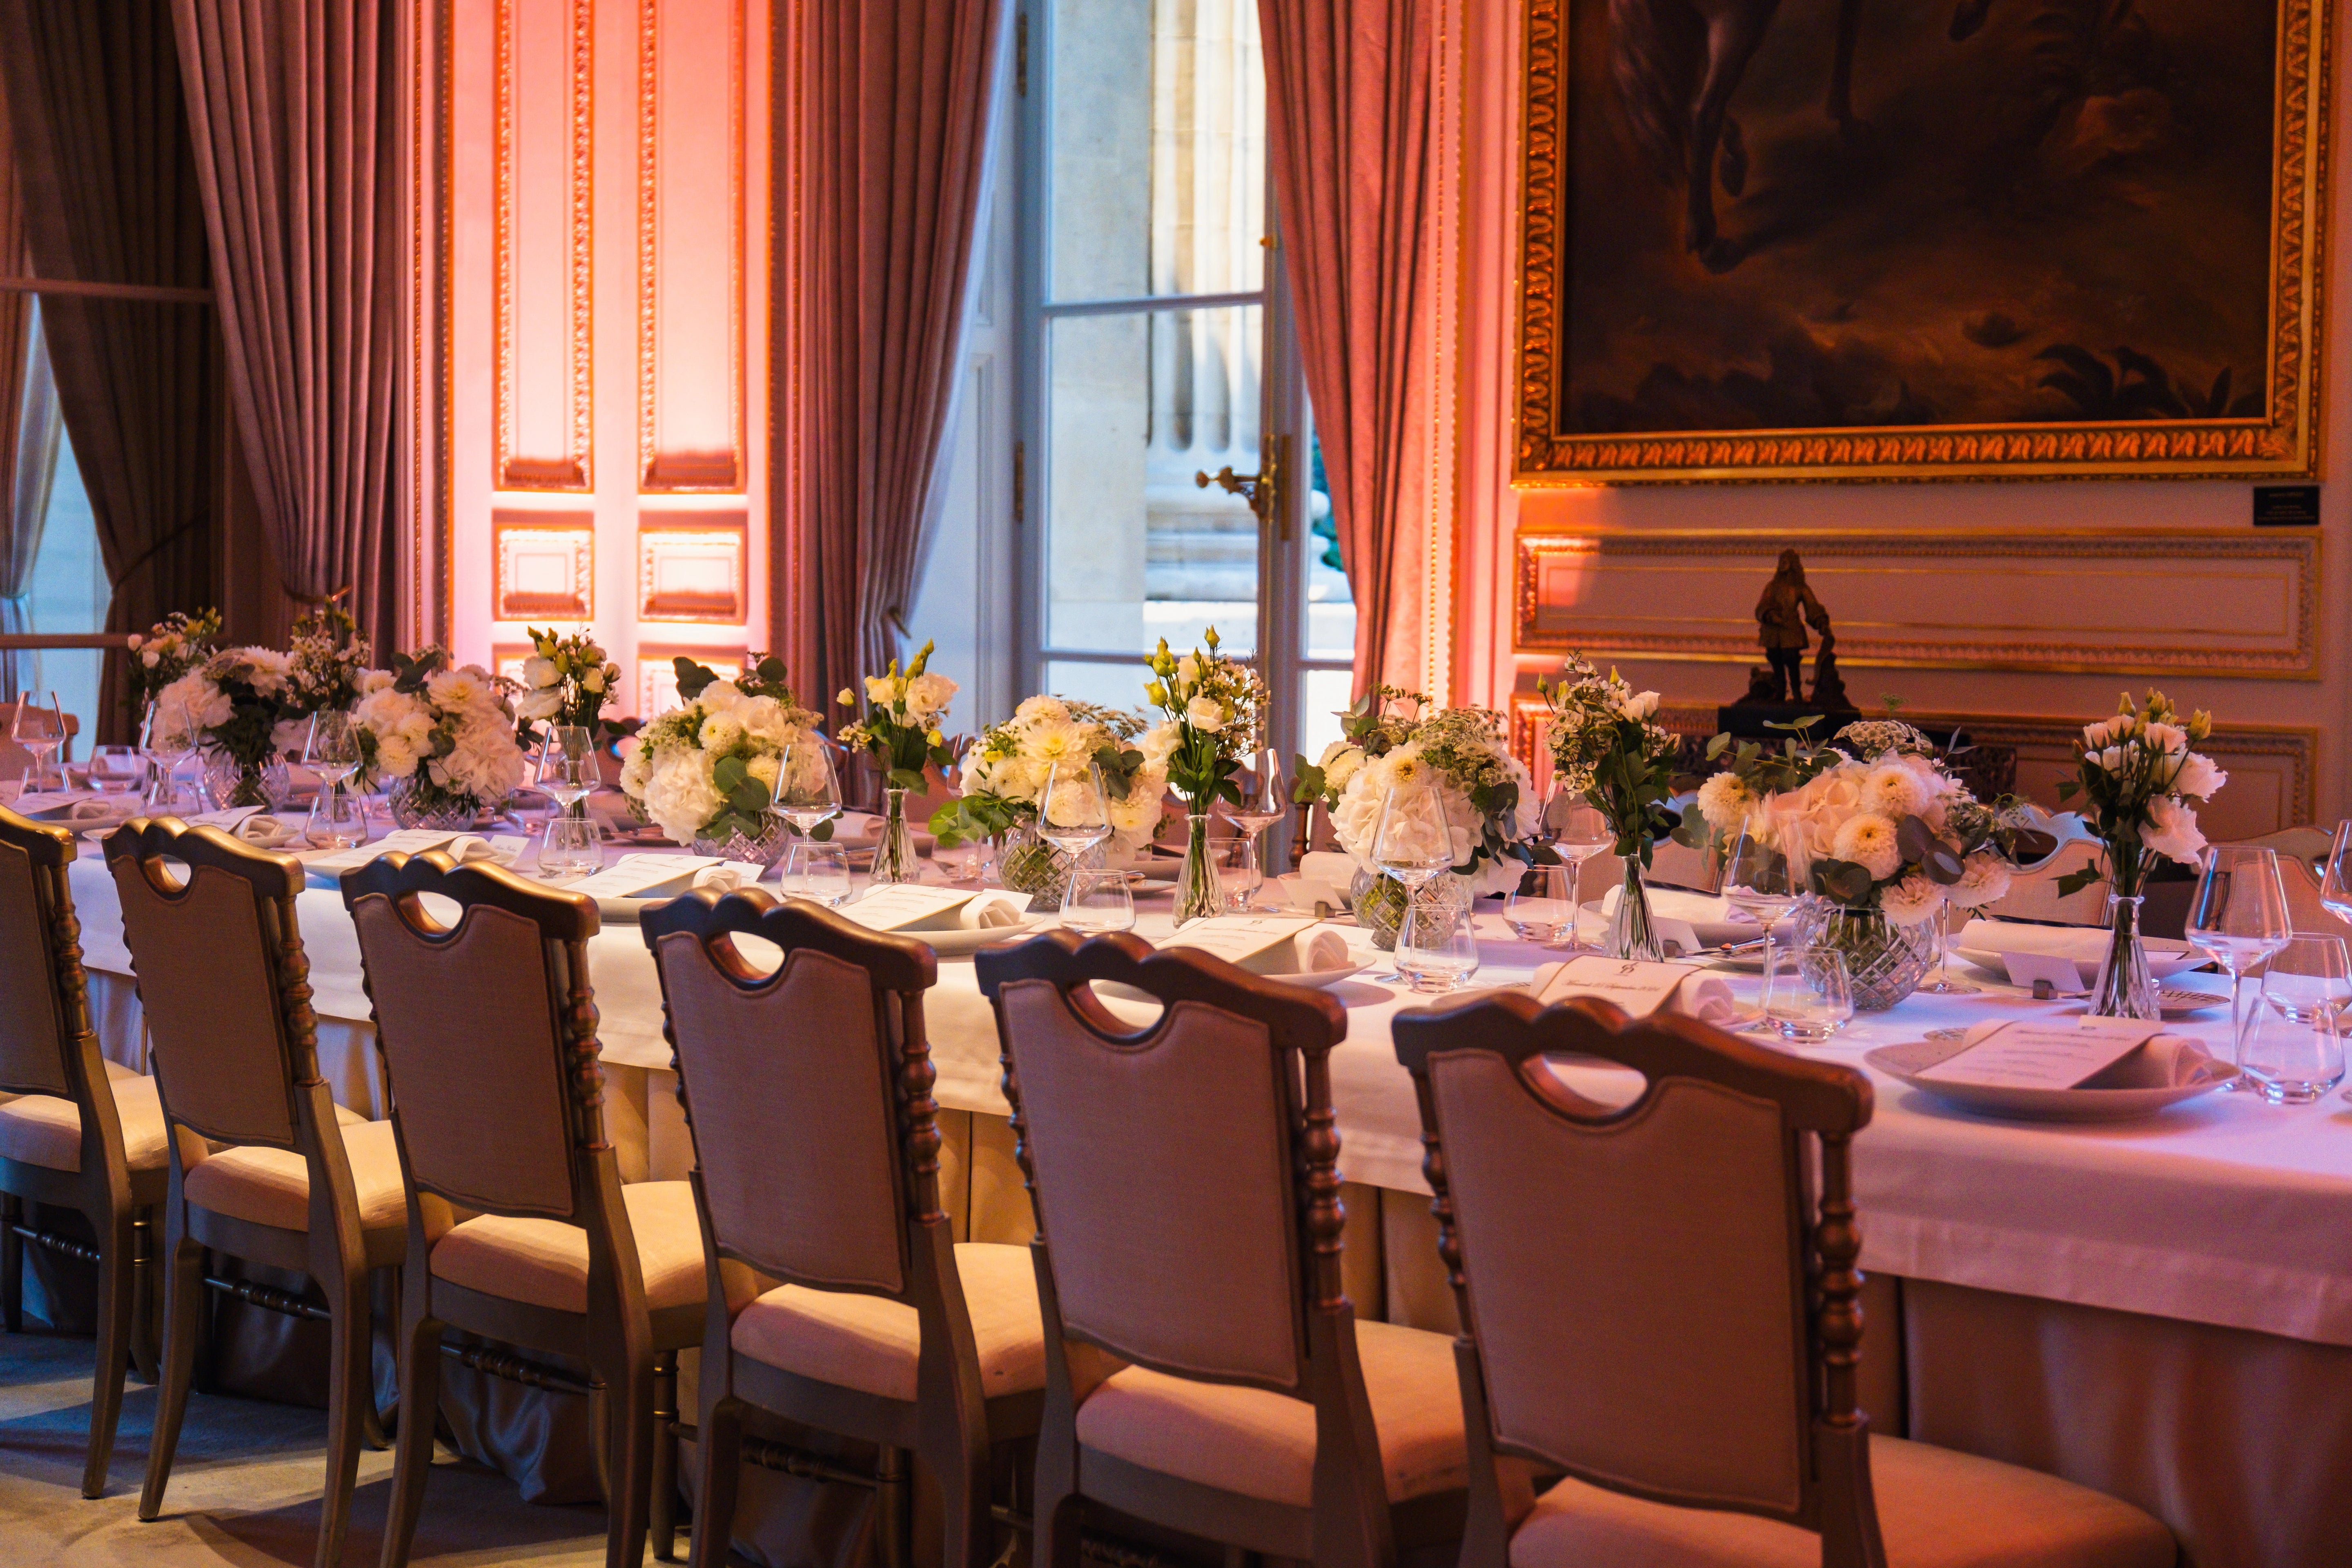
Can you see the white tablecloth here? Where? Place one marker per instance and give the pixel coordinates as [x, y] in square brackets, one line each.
[2225, 1211]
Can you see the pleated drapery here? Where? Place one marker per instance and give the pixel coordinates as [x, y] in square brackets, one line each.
[1349, 112]
[109, 194]
[20, 531]
[287, 101]
[886, 155]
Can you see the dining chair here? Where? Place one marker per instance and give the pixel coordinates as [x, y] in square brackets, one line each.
[82, 1133]
[487, 1027]
[302, 1184]
[2034, 894]
[1204, 1370]
[808, 1091]
[1660, 1307]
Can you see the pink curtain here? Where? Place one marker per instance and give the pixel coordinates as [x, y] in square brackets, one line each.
[882, 157]
[1349, 112]
[287, 101]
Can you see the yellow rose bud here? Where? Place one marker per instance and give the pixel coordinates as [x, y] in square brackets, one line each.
[847, 699]
[935, 738]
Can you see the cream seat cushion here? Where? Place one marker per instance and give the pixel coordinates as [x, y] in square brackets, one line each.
[46, 1128]
[869, 1342]
[1938, 1508]
[1262, 1444]
[272, 1187]
[544, 1262]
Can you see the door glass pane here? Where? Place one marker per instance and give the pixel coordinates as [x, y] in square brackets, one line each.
[1138, 404]
[1157, 141]
[1112, 684]
[1323, 698]
[1330, 623]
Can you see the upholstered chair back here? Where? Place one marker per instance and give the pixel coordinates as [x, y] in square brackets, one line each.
[799, 1082]
[1184, 1171]
[487, 1026]
[211, 928]
[2034, 894]
[32, 897]
[1634, 1277]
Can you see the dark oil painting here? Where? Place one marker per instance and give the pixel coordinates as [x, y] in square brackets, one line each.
[1825, 214]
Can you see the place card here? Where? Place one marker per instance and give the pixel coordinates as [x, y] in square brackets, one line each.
[900, 906]
[1638, 987]
[403, 841]
[2027, 969]
[225, 821]
[1262, 944]
[636, 876]
[2045, 1055]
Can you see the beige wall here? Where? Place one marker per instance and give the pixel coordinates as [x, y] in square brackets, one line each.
[2022, 592]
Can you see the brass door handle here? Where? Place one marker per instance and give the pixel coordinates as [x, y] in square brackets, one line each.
[1263, 489]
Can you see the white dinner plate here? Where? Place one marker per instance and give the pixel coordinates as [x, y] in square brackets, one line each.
[1321, 979]
[2141, 1084]
[2164, 959]
[963, 940]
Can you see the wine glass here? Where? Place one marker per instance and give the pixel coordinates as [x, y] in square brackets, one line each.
[170, 750]
[41, 731]
[1264, 803]
[1074, 816]
[807, 796]
[1542, 908]
[331, 751]
[2237, 918]
[2294, 1048]
[570, 844]
[2335, 881]
[1413, 846]
[1580, 832]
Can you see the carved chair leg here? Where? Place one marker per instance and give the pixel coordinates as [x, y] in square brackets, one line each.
[115, 1331]
[144, 1350]
[630, 1398]
[661, 1512]
[12, 1263]
[420, 1400]
[720, 1455]
[350, 1397]
[1056, 1541]
[892, 1547]
[183, 1312]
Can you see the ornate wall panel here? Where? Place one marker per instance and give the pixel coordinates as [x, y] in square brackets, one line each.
[690, 152]
[546, 569]
[544, 200]
[1955, 601]
[692, 570]
[657, 677]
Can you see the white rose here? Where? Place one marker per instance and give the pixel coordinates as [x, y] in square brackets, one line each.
[2167, 738]
[928, 695]
[1911, 901]
[371, 681]
[1159, 744]
[1638, 705]
[545, 703]
[1035, 710]
[1205, 713]
[1188, 671]
[538, 672]
[455, 688]
[151, 659]
[720, 697]
[880, 690]
[2198, 777]
[1135, 817]
[2172, 830]
[1984, 880]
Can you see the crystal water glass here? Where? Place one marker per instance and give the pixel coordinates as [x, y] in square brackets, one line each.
[331, 751]
[118, 770]
[1807, 994]
[1437, 947]
[2293, 1044]
[1542, 908]
[40, 731]
[2238, 917]
[570, 848]
[818, 872]
[1099, 900]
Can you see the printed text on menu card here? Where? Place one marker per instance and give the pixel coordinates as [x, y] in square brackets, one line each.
[634, 873]
[1235, 938]
[904, 904]
[2045, 1055]
[403, 841]
[1640, 989]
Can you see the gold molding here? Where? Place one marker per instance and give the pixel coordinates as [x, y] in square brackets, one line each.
[573, 471]
[714, 537]
[575, 536]
[657, 476]
[1861, 649]
[2285, 445]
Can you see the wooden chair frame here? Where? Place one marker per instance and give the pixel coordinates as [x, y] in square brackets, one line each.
[335, 1251]
[1350, 1520]
[118, 1202]
[1822, 1100]
[950, 1423]
[631, 1349]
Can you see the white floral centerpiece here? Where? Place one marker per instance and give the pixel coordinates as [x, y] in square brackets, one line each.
[1607, 746]
[904, 711]
[168, 651]
[707, 773]
[1213, 708]
[237, 709]
[441, 740]
[1003, 776]
[567, 679]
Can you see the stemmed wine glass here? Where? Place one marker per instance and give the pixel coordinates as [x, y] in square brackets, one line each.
[1263, 805]
[170, 750]
[40, 731]
[2237, 918]
[808, 796]
[1074, 816]
[1579, 832]
[1762, 883]
[2335, 877]
[1414, 847]
[571, 844]
[332, 752]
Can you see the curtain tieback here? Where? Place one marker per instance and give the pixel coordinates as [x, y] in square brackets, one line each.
[144, 556]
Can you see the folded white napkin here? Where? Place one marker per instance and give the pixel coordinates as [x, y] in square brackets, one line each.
[1320, 948]
[726, 879]
[468, 847]
[102, 810]
[258, 829]
[992, 910]
[2085, 944]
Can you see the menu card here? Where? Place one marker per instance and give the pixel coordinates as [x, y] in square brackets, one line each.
[405, 841]
[1262, 943]
[2045, 1055]
[634, 875]
[49, 800]
[225, 821]
[1639, 988]
[900, 906]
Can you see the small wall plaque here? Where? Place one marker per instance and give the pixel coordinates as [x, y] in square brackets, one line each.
[2287, 506]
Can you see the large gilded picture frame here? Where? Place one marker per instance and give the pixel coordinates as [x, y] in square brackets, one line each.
[1921, 239]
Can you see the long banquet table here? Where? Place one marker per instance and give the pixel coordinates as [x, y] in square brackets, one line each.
[2161, 1309]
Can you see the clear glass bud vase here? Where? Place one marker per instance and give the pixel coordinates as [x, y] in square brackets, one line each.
[2123, 988]
[893, 858]
[1633, 933]
[1196, 880]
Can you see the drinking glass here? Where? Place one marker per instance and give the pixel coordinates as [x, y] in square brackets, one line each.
[118, 770]
[2237, 918]
[172, 797]
[1264, 803]
[1074, 816]
[40, 731]
[807, 796]
[1542, 908]
[1579, 833]
[1807, 995]
[1437, 947]
[1757, 879]
[1239, 876]
[2335, 878]
[1099, 900]
[332, 752]
[1414, 846]
[570, 847]
[567, 765]
[818, 872]
[2293, 1044]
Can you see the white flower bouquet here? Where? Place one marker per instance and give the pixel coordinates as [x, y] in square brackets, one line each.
[168, 651]
[237, 708]
[708, 772]
[1491, 813]
[904, 711]
[441, 740]
[1607, 746]
[1004, 783]
[1213, 708]
[325, 660]
[567, 679]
